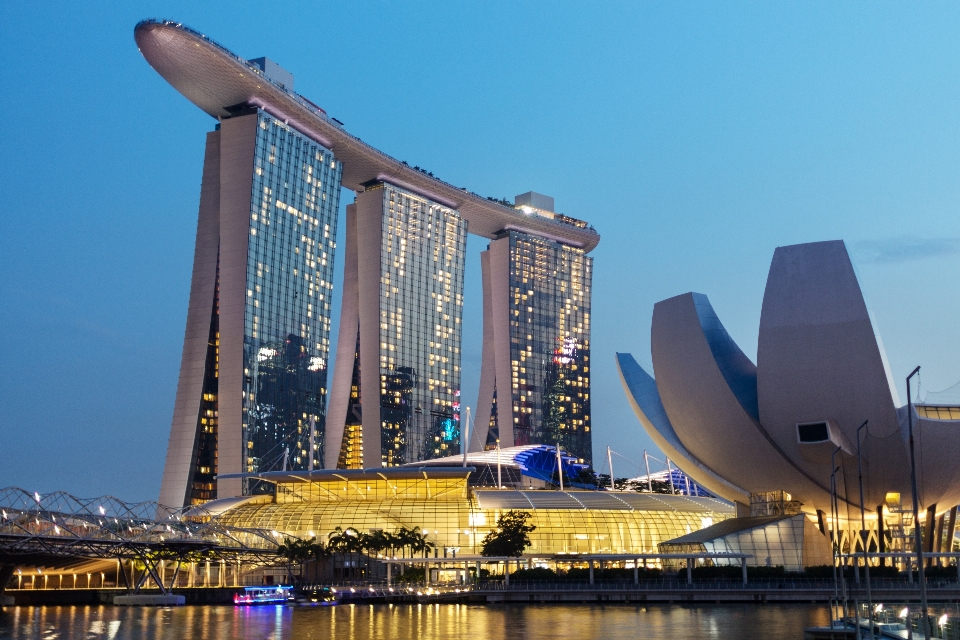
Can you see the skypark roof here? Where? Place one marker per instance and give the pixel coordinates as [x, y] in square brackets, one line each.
[219, 81]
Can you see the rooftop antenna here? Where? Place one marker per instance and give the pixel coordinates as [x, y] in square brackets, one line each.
[559, 467]
[610, 464]
[646, 461]
[313, 436]
[465, 437]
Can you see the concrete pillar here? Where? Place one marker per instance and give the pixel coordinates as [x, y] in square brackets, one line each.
[636, 572]
[743, 568]
[506, 573]
[6, 572]
[591, 571]
[928, 529]
[951, 530]
[689, 570]
[938, 538]
[389, 567]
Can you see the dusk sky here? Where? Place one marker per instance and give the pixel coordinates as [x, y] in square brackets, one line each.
[695, 137]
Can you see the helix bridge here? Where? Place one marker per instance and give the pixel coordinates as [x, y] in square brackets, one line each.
[56, 529]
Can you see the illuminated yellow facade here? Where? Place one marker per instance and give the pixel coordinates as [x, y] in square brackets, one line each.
[456, 516]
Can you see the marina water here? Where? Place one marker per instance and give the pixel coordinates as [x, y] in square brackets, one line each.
[414, 622]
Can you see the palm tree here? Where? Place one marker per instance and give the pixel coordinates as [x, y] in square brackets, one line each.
[419, 543]
[348, 541]
[297, 550]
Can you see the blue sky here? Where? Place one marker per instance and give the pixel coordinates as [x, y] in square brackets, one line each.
[696, 137]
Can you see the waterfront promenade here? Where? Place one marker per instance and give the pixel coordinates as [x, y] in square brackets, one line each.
[496, 592]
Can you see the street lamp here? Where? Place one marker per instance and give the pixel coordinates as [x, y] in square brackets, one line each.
[916, 513]
[863, 529]
[835, 508]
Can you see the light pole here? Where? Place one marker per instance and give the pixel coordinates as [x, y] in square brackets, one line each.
[834, 512]
[916, 513]
[863, 529]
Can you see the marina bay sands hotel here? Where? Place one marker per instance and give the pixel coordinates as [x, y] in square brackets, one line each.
[254, 393]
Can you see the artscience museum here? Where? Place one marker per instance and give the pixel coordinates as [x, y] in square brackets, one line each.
[821, 388]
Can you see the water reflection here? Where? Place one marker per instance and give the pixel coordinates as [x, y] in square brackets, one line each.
[417, 622]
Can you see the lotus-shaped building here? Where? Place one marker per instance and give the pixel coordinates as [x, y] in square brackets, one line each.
[742, 429]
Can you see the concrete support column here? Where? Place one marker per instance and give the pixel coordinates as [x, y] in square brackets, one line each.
[689, 570]
[6, 572]
[389, 567]
[506, 573]
[591, 571]
[636, 572]
[743, 568]
[951, 530]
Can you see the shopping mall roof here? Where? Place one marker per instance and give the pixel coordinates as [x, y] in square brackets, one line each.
[600, 500]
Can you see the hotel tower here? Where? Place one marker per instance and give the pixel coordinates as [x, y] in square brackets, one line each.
[253, 394]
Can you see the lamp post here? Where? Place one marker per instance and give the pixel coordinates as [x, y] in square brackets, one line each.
[863, 530]
[916, 513]
[834, 513]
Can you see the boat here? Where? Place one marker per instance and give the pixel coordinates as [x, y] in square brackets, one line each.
[268, 594]
[320, 596]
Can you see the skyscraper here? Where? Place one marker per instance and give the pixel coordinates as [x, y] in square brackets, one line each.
[396, 394]
[254, 375]
[252, 394]
[535, 378]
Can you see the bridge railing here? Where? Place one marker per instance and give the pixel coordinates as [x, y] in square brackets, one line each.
[62, 518]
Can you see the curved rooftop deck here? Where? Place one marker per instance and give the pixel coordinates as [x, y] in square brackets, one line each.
[217, 80]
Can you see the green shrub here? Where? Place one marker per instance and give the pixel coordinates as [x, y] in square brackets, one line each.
[537, 574]
[412, 574]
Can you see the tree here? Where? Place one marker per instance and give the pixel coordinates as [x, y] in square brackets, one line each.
[510, 537]
[348, 541]
[299, 551]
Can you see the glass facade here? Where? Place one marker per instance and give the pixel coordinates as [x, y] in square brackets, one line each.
[203, 479]
[791, 542]
[421, 305]
[549, 315]
[293, 225]
[422, 254]
[453, 515]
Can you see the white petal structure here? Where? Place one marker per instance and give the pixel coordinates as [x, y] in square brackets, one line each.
[819, 360]
[709, 390]
[642, 393]
[821, 373]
